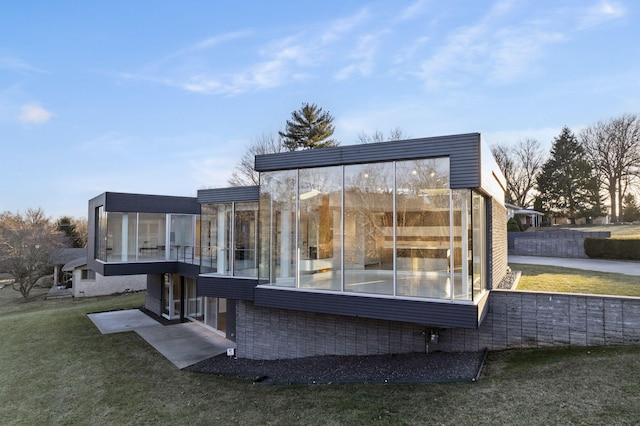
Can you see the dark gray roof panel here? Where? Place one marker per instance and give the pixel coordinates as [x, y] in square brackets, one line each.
[227, 195]
[141, 203]
[463, 151]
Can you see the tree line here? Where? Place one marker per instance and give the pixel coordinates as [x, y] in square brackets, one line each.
[29, 241]
[580, 172]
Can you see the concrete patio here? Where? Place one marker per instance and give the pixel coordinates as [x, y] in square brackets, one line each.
[183, 344]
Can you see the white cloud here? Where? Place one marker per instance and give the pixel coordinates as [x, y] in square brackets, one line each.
[33, 113]
[342, 26]
[362, 56]
[15, 64]
[599, 13]
[501, 47]
[411, 11]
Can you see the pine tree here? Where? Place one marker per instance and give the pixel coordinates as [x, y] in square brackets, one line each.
[308, 128]
[566, 183]
[631, 209]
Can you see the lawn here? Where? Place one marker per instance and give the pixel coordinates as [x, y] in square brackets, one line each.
[567, 280]
[617, 231]
[58, 369]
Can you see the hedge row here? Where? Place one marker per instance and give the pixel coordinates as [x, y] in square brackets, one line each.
[597, 248]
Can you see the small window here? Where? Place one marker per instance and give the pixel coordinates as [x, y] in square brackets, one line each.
[88, 274]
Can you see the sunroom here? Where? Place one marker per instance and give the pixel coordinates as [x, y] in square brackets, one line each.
[396, 230]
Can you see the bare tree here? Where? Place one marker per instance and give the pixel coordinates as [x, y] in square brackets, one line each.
[27, 243]
[245, 173]
[613, 147]
[520, 165]
[395, 134]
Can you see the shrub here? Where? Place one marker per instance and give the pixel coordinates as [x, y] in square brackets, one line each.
[513, 225]
[599, 248]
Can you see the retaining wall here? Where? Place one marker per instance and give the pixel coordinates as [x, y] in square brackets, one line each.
[551, 243]
[514, 320]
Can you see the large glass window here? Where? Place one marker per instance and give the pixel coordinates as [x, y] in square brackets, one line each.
[152, 236]
[319, 225]
[121, 237]
[229, 239]
[101, 234]
[278, 198]
[182, 238]
[245, 240]
[390, 228]
[423, 231]
[462, 244]
[478, 242]
[368, 228]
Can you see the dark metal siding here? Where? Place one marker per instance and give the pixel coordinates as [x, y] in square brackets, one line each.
[463, 151]
[110, 269]
[227, 287]
[94, 203]
[120, 202]
[435, 314]
[227, 195]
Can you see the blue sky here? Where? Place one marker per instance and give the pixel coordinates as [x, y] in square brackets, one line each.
[163, 97]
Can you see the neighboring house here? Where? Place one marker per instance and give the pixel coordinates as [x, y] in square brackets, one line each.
[71, 272]
[527, 217]
[86, 282]
[60, 258]
[360, 249]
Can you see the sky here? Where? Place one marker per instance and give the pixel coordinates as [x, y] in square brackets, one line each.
[164, 97]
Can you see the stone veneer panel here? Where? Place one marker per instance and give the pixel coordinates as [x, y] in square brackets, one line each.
[514, 320]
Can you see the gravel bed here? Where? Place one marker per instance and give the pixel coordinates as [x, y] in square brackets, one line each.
[435, 367]
[510, 281]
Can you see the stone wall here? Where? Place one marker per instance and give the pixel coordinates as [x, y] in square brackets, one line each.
[551, 243]
[153, 297]
[514, 320]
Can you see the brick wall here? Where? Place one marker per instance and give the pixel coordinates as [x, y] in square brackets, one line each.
[153, 298]
[498, 232]
[514, 320]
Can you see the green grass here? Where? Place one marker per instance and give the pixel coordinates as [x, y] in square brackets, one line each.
[567, 280]
[617, 231]
[58, 369]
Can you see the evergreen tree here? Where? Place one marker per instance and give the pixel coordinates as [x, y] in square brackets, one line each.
[308, 128]
[566, 183]
[67, 226]
[631, 209]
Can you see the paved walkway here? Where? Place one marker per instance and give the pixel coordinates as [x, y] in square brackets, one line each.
[600, 265]
[183, 344]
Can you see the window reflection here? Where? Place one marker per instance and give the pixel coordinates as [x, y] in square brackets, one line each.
[368, 228]
[390, 228]
[319, 236]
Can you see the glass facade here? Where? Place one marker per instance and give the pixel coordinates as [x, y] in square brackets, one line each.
[392, 228]
[229, 239]
[142, 237]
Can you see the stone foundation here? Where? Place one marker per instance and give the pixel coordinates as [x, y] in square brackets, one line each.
[514, 320]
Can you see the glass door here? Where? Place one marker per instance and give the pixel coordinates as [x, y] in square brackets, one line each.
[194, 303]
[171, 296]
[215, 313]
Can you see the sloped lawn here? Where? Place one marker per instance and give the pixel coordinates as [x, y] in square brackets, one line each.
[567, 280]
[56, 368]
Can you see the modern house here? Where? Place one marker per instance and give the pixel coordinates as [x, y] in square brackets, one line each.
[360, 249]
